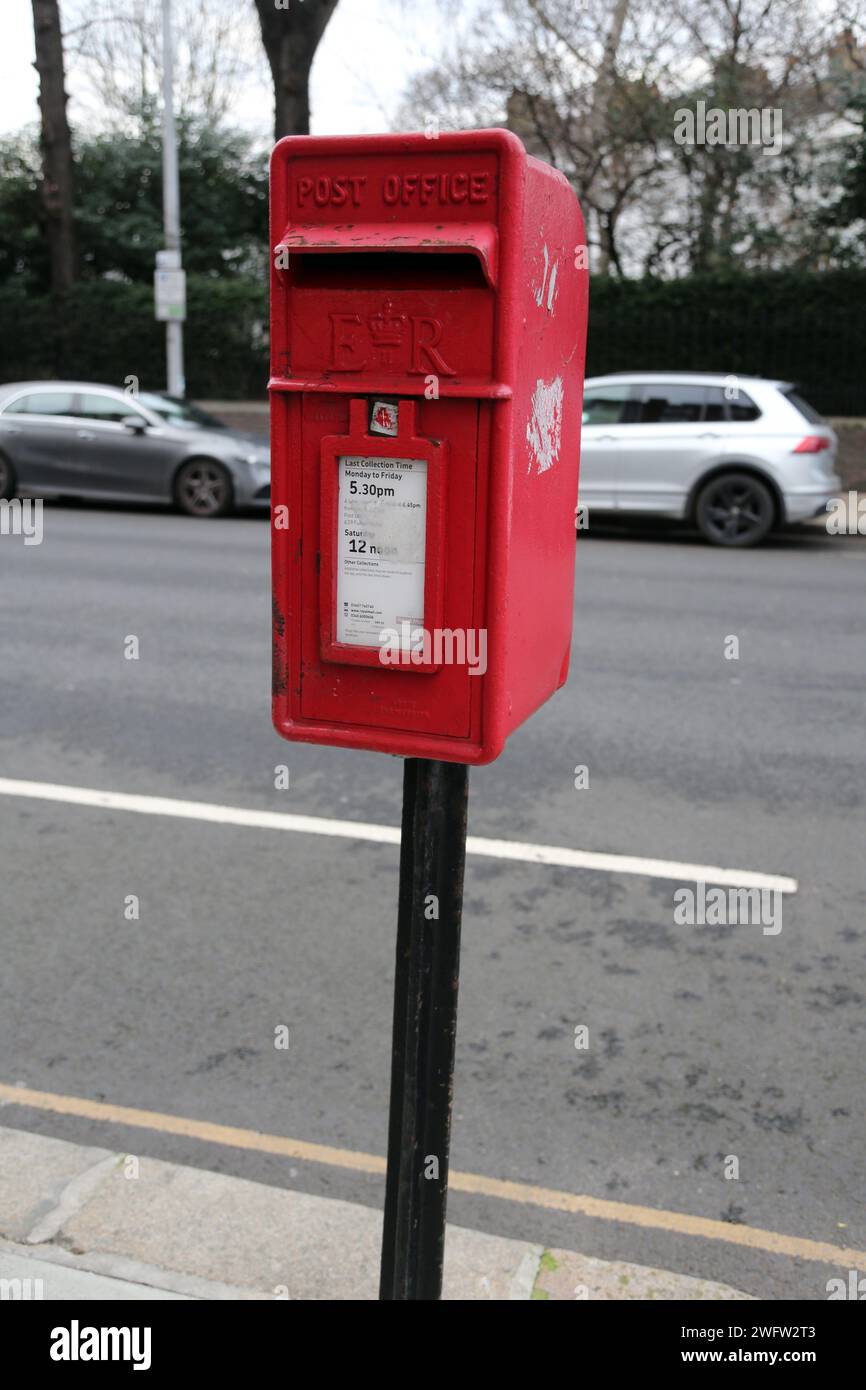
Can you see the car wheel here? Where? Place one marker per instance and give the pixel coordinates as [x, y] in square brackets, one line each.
[204, 488]
[735, 509]
[8, 480]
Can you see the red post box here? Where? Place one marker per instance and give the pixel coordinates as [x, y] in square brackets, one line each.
[428, 322]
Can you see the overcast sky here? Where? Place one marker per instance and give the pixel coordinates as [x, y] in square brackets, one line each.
[368, 49]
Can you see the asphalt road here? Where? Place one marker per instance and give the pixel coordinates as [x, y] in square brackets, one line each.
[704, 1041]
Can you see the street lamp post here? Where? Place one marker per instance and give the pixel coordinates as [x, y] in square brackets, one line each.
[169, 280]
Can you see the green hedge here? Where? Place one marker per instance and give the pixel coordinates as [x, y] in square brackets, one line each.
[110, 333]
[807, 328]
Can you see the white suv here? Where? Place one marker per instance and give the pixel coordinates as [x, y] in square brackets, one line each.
[737, 455]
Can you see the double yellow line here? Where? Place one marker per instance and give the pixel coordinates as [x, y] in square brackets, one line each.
[672, 1222]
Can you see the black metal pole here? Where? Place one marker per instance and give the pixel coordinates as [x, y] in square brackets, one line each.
[432, 855]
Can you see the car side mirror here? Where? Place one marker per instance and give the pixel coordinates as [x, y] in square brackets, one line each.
[134, 423]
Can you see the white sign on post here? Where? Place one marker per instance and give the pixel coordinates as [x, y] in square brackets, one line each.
[381, 548]
[169, 287]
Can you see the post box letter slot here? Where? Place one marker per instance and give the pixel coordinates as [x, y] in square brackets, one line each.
[478, 239]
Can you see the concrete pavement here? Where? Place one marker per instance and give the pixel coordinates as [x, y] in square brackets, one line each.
[79, 1222]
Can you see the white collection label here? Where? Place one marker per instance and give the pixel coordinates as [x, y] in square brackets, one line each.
[381, 548]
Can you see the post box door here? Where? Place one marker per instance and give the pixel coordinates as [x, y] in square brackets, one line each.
[351, 684]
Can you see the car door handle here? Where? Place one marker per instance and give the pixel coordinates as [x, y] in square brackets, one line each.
[85, 434]
[708, 435]
[10, 429]
[607, 439]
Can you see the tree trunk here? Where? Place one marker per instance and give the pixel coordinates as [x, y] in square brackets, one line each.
[604, 86]
[56, 144]
[291, 35]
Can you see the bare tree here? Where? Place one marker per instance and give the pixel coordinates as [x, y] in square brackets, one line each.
[291, 33]
[115, 50]
[581, 85]
[772, 56]
[597, 89]
[56, 146]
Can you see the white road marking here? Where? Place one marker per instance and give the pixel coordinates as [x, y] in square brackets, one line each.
[555, 855]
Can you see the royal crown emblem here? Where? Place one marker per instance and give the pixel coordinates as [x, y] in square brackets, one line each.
[387, 330]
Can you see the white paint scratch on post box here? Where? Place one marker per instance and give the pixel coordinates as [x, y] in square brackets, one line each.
[548, 283]
[544, 430]
[551, 287]
[539, 289]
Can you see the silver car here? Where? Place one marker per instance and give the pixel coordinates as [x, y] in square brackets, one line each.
[77, 439]
[736, 455]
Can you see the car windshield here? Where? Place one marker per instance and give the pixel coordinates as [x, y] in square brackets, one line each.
[179, 413]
